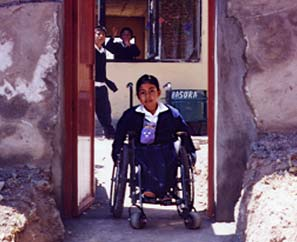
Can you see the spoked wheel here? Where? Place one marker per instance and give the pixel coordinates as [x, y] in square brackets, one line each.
[118, 184]
[193, 221]
[187, 183]
[137, 220]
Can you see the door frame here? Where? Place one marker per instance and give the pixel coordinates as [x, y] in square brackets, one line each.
[71, 60]
[210, 106]
[70, 70]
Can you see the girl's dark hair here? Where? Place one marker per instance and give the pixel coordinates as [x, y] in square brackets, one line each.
[101, 28]
[147, 79]
[126, 29]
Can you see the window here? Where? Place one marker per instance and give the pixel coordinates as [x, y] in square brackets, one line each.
[174, 30]
[165, 30]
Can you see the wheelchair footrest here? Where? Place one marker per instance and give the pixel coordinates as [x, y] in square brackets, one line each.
[152, 200]
[166, 201]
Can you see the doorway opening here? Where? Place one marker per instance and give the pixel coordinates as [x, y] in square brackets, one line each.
[136, 14]
[184, 70]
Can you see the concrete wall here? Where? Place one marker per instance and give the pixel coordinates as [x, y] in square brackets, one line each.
[31, 97]
[256, 85]
[234, 122]
[270, 28]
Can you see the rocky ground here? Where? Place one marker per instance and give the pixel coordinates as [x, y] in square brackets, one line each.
[267, 209]
[28, 211]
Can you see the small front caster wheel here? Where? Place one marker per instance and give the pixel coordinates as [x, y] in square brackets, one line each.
[137, 220]
[193, 221]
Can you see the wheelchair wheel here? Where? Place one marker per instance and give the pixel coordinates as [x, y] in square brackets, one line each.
[187, 180]
[118, 186]
[137, 220]
[193, 221]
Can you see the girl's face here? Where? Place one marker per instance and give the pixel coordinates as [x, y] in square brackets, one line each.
[99, 37]
[126, 36]
[148, 96]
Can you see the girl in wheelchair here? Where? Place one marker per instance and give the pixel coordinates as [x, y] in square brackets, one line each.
[154, 126]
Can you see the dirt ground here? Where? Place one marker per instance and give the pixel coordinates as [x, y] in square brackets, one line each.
[28, 211]
[164, 224]
[267, 209]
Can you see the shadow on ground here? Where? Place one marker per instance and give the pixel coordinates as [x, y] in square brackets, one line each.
[164, 224]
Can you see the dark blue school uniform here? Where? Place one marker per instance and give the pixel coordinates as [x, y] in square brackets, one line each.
[158, 159]
[121, 52]
[102, 108]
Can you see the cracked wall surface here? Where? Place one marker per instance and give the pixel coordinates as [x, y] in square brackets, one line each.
[31, 96]
[270, 29]
[29, 99]
[235, 127]
[256, 89]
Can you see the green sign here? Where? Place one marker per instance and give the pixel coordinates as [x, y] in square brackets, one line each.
[191, 103]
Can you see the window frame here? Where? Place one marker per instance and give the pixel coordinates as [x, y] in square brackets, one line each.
[152, 50]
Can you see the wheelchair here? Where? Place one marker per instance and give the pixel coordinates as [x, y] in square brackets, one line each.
[128, 172]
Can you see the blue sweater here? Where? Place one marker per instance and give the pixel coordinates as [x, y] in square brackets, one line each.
[120, 52]
[169, 123]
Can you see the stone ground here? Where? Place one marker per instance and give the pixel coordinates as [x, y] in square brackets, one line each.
[28, 210]
[164, 224]
[267, 208]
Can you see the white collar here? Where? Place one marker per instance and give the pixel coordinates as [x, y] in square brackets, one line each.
[101, 50]
[149, 116]
[123, 44]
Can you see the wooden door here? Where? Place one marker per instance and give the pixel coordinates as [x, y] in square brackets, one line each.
[79, 106]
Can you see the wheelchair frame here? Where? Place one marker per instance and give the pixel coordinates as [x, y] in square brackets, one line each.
[182, 195]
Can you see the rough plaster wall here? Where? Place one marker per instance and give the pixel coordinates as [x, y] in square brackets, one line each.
[235, 126]
[30, 85]
[270, 28]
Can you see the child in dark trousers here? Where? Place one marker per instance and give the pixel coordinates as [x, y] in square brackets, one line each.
[155, 126]
[103, 107]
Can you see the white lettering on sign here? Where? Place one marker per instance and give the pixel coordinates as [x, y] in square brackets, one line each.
[184, 94]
